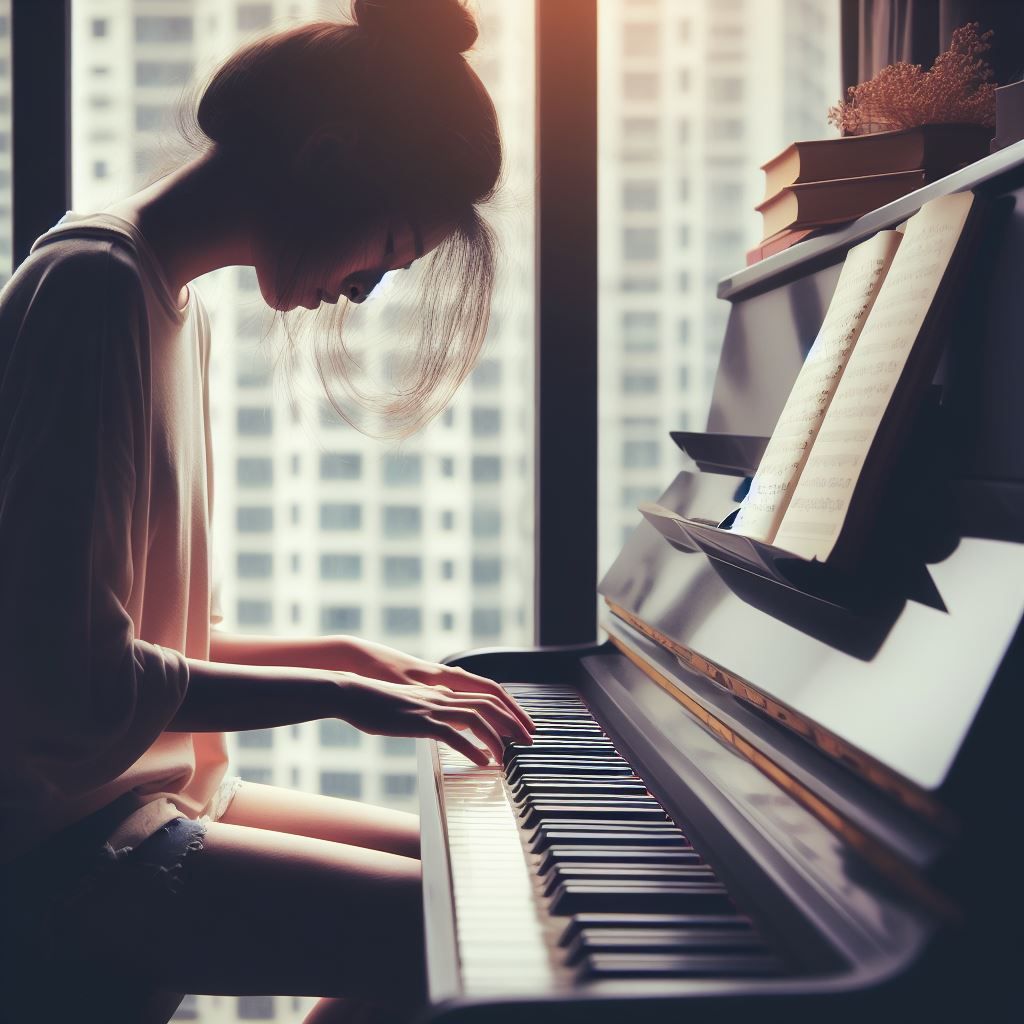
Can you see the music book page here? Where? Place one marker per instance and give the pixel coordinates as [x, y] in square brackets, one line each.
[858, 286]
[817, 510]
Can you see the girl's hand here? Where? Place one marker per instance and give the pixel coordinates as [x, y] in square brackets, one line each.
[435, 711]
[380, 662]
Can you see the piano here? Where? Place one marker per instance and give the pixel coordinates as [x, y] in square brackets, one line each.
[771, 794]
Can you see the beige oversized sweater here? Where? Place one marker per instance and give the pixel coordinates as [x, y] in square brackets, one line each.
[106, 492]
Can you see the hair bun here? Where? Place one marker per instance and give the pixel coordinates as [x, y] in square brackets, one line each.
[443, 25]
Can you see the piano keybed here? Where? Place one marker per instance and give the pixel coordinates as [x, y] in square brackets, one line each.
[567, 872]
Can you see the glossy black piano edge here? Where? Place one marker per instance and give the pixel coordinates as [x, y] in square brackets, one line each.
[992, 173]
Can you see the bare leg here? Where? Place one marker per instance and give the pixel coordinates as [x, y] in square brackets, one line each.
[325, 817]
[265, 912]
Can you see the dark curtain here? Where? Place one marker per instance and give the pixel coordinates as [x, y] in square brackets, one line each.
[880, 32]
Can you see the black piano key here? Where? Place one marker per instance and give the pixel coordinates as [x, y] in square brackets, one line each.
[684, 965]
[624, 811]
[575, 897]
[734, 921]
[613, 874]
[591, 941]
[636, 835]
[582, 787]
[599, 854]
[607, 767]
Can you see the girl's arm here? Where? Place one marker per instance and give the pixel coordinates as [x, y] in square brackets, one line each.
[233, 698]
[352, 654]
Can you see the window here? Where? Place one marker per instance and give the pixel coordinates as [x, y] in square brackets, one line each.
[188, 1009]
[398, 746]
[640, 40]
[486, 622]
[340, 619]
[255, 472]
[163, 73]
[402, 469]
[255, 613]
[640, 195]
[341, 466]
[402, 571]
[99, 27]
[151, 29]
[485, 469]
[341, 567]
[402, 621]
[150, 118]
[485, 421]
[402, 520]
[640, 243]
[487, 373]
[252, 773]
[640, 331]
[252, 17]
[255, 421]
[255, 519]
[263, 738]
[486, 571]
[640, 86]
[447, 569]
[394, 784]
[255, 565]
[340, 517]
[640, 454]
[336, 733]
[344, 784]
[486, 521]
[636, 383]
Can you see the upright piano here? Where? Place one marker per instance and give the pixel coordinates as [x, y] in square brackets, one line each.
[769, 793]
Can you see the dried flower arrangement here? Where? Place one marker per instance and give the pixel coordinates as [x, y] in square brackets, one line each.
[957, 89]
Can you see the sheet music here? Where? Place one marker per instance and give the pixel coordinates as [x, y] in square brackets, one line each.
[858, 286]
[820, 499]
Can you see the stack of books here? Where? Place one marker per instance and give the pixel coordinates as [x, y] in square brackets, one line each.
[811, 186]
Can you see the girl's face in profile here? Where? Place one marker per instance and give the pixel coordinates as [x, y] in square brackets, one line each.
[393, 245]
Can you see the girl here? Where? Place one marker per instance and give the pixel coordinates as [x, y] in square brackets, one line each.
[131, 868]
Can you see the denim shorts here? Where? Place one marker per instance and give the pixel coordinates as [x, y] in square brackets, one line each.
[40, 890]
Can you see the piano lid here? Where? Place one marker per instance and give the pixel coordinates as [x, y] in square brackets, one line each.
[901, 674]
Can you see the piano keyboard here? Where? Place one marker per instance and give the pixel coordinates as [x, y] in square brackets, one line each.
[567, 872]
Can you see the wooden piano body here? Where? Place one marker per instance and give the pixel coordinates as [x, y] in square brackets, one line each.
[839, 751]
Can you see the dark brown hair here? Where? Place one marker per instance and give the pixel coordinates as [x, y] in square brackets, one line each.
[343, 125]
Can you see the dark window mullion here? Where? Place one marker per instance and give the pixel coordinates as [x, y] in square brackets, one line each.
[40, 118]
[566, 364]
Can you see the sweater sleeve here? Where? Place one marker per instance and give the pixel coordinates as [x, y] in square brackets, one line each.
[81, 698]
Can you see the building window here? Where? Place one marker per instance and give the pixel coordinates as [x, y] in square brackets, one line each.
[151, 29]
[640, 331]
[447, 466]
[485, 469]
[403, 621]
[399, 470]
[398, 746]
[486, 622]
[402, 784]
[163, 72]
[336, 733]
[486, 521]
[486, 571]
[99, 28]
[252, 17]
[402, 571]
[255, 518]
[447, 569]
[487, 373]
[344, 784]
[255, 565]
[256, 1008]
[255, 613]
[263, 738]
[722, 90]
[640, 195]
[447, 621]
[640, 454]
[340, 619]
[402, 521]
[340, 517]
[640, 86]
[637, 383]
[640, 243]
[485, 421]
[341, 567]
[684, 378]
[255, 420]
[255, 472]
[447, 520]
[251, 773]
[188, 1009]
[640, 40]
[340, 466]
